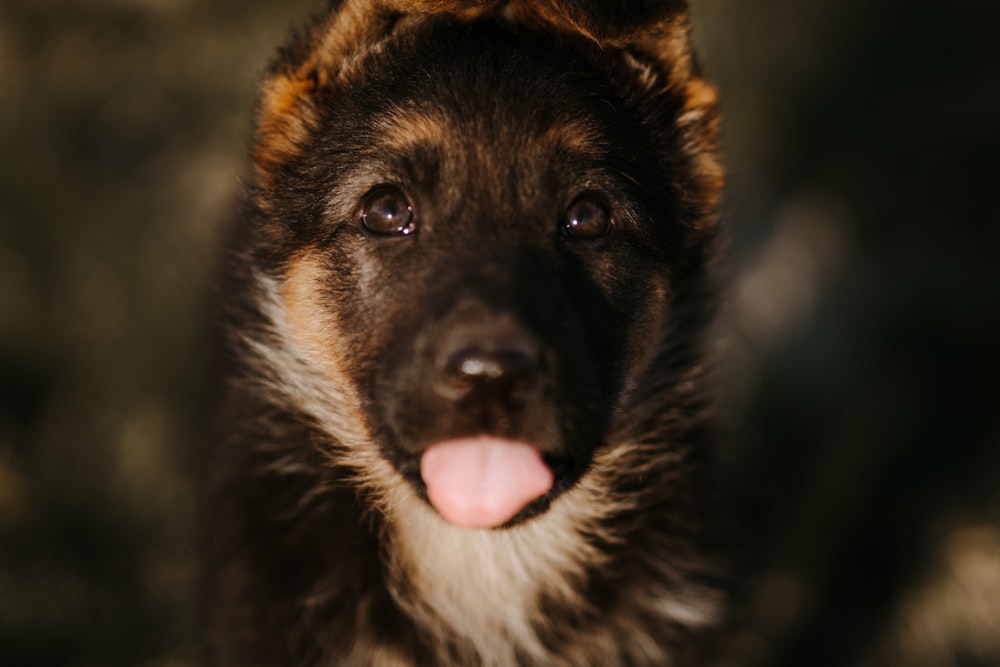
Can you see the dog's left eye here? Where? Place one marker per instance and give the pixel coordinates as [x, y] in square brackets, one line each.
[586, 218]
[388, 211]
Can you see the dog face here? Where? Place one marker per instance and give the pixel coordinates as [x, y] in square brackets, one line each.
[479, 226]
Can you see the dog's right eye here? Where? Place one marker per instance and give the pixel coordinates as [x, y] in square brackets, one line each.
[387, 211]
[587, 218]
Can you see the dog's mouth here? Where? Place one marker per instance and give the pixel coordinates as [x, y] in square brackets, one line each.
[483, 482]
[490, 418]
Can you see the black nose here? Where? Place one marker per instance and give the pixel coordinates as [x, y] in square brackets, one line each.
[506, 373]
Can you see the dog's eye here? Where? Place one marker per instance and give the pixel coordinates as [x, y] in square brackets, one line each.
[388, 211]
[586, 218]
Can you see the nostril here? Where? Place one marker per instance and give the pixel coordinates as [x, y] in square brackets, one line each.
[506, 373]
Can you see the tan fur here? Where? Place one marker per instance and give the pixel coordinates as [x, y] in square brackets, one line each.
[298, 352]
[406, 130]
[571, 137]
[310, 326]
[283, 123]
[701, 125]
[669, 46]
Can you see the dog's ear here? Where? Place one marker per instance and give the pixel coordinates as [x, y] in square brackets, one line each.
[614, 19]
[656, 31]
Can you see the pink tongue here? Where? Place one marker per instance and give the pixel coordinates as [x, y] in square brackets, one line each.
[483, 482]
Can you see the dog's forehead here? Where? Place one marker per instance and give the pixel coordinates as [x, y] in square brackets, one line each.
[486, 79]
[485, 96]
[369, 77]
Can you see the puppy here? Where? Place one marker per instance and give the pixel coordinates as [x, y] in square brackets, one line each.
[463, 415]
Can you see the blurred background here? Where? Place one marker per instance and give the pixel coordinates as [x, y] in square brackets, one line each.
[861, 369]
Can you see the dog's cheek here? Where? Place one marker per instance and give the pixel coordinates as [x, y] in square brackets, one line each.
[313, 326]
[319, 363]
[639, 293]
[377, 297]
[647, 324]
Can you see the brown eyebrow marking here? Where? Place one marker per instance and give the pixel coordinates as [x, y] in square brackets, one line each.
[573, 136]
[408, 130]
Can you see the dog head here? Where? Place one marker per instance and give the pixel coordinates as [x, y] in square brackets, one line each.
[480, 215]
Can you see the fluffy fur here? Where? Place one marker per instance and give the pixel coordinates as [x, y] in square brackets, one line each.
[320, 546]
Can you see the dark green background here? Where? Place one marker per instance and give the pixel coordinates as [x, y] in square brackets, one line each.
[860, 381]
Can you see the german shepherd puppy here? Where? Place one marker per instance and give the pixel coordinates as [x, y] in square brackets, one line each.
[464, 418]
